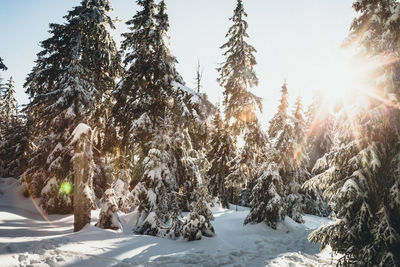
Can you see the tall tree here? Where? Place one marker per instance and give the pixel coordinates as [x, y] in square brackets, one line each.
[320, 130]
[73, 73]
[237, 76]
[13, 133]
[220, 155]
[152, 110]
[8, 102]
[237, 73]
[363, 176]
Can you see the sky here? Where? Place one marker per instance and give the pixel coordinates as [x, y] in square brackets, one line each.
[297, 41]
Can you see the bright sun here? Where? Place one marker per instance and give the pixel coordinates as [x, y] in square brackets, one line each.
[345, 77]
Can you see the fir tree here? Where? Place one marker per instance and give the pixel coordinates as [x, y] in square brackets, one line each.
[152, 112]
[320, 127]
[282, 173]
[280, 133]
[2, 66]
[237, 76]
[73, 72]
[13, 134]
[8, 102]
[220, 155]
[267, 204]
[362, 180]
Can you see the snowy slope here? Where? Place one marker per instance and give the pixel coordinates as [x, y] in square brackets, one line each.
[26, 238]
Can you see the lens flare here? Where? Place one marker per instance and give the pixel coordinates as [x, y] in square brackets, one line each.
[65, 188]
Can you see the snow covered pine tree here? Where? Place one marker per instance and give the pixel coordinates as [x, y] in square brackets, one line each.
[2, 66]
[237, 75]
[67, 85]
[363, 180]
[150, 109]
[13, 133]
[280, 176]
[220, 155]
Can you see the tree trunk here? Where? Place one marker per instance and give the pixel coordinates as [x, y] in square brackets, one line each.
[82, 182]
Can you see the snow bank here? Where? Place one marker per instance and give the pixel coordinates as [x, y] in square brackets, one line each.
[28, 238]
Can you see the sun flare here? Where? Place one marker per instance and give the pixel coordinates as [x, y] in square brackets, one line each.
[346, 77]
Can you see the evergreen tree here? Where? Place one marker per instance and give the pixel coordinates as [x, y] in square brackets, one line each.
[220, 155]
[299, 173]
[108, 218]
[73, 72]
[13, 133]
[2, 66]
[280, 133]
[281, 175]
[363, 176]
[237, 76]
[8, 102]
[267, 204]
[320, 127]
[152, 112]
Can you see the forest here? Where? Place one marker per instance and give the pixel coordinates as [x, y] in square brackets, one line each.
[116, 130]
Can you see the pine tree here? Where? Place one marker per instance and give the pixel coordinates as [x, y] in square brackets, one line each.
[299, 173]
[281, 174]
[108, 218]
[220, 155]
[2, 66]
[73, 73]
[280, 133]
[153, 112]
[237, 76]
[156, 193]
[8, 102]
[320, 128]
[363, 176]
[267, 204]
[13, 134]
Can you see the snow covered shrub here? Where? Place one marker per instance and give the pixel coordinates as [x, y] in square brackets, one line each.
[267, 203]
[195, 226]
[198, 223]
[108, 218]
[123, 196]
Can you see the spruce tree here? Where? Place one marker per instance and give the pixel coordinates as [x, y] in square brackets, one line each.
[267, 204]
[13, 133]
[237, 73]
[363, 176]
[73, 72]
[2, 66]
[320, 130]
[280, 133]
[220, 155]
[237, 76]
[8, 102]
[152, 111]
[282, 172]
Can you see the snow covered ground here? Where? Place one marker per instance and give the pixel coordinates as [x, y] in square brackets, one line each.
[27, 238]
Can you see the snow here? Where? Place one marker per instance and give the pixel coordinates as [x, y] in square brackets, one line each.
[27, 238]
[81, 129]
